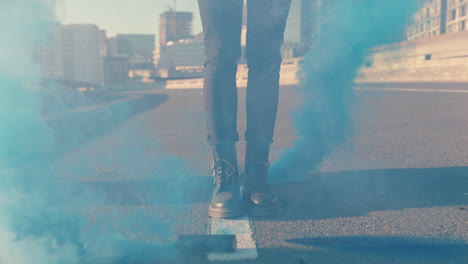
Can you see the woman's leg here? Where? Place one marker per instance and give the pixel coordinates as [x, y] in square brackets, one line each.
[222, 22]
[266, 22]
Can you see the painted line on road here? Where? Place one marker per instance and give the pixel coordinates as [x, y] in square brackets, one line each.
[413, 90]
[246, 248]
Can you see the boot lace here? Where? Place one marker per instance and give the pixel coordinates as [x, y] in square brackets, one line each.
[223, 171]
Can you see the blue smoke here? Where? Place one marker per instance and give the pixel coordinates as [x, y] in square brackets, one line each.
[41, 215]
[348, 30]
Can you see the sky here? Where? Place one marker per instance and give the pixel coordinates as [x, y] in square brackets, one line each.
[123, 16]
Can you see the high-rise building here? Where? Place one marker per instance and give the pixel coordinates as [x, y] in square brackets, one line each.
[73, 53]
[436, 17]
[111, 46]
[179, 54]
[429, 20]
[174, 26]
[135, 44]
[181, 59]
[115, 70]
[48, 55]
[137, 47]
[81, 53]
[303, 25]
[457, 18]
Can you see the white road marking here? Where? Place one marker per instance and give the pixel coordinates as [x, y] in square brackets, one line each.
[246, 248]
[413, 90]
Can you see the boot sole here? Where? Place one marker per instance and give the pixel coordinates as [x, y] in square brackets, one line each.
[226, 213]
[265, 211]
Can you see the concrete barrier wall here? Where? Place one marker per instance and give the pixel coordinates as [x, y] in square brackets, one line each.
[288, 76]
[438, 59]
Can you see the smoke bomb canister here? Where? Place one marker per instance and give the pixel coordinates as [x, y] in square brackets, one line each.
[207, 243]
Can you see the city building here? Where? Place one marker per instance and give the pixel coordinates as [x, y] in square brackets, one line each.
[437, 17]
[74, 53]
[179, 54]
[181, 59]
[48, 55]
[302, 27]
[116, 70]
[429, 20]
[137, 47]
[456, 15]
[103, 43]
[174, 26]
[112, 46]
[81, 53]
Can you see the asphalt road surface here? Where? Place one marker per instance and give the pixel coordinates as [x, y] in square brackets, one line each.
[397, 192]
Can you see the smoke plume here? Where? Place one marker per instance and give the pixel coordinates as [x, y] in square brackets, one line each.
[43, 218]
[348, 30]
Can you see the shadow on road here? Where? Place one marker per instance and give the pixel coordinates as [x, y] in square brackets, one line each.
[80, 126]
[356, 193]
[360, 249]
[382, 249]
[379, 243]
[323, 250]
[162, 191]
[325, 195]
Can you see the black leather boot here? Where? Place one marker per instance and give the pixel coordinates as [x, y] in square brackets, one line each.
[226, 201]
[259, 199]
